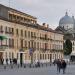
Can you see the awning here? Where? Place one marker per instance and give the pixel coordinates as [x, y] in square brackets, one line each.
[2, 37]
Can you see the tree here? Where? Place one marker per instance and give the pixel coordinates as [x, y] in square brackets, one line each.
[67, 47]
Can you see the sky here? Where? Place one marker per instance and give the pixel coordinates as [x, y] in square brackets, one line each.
[46, 11]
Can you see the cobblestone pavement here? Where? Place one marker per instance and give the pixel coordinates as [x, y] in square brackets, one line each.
[49, 70]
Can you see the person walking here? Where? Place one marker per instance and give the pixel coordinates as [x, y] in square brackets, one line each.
[58, 65]
[63, 63]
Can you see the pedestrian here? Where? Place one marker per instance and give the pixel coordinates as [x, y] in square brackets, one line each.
[38, 64]
[2, 60]
[63, 63]
[10, 61]
[7, 61]
[58, 65]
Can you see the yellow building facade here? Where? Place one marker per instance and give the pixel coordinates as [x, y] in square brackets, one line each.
[27, 41]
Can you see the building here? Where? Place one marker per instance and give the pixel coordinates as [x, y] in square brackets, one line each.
[27, 41]
[67, 27]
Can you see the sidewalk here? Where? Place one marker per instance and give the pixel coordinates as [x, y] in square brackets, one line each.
[49, 70]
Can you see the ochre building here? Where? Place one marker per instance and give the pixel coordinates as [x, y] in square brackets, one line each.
[26, 40]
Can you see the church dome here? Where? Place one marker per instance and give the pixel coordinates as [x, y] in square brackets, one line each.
[66, 20]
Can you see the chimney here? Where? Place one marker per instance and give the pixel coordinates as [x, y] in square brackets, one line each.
[47, 25]
[44, 24]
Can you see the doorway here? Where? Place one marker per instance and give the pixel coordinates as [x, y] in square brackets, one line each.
[21, 59]
[1, 57]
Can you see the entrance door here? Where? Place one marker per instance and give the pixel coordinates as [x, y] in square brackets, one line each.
[1, 57]
[21, 59]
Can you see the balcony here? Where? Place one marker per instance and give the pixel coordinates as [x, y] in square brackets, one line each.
[57, 50]
[44, 49]
[45, 38]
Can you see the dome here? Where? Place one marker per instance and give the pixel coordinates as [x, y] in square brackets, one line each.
[66, 20]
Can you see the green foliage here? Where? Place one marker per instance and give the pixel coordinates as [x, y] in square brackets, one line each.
[67, 47]
[2, 37]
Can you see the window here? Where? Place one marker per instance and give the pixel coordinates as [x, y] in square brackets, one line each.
[11, 30]
[25, 33]
[11, 43]
[18, 18]
[40, 56]
[28, 44]
[48, 56]
[25, 44]
[1, 29]
[38, 45]
[21, 32]
[6, 29]
[29, 34]
[32, 44]
[17, 43]
[35, 45]
[10, 16]
[32, 34]
[14, 17]
[17, 33]
[45, 56]
[21, 43]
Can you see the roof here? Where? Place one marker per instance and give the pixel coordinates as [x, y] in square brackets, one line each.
[17, 11]
[60, 29]
[66, 20]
